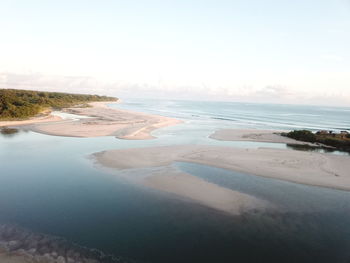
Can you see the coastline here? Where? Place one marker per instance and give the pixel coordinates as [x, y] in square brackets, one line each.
[104, 121]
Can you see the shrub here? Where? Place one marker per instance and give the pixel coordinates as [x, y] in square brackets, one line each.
[302, 135]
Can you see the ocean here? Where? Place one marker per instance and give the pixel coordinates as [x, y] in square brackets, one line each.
[247, 115]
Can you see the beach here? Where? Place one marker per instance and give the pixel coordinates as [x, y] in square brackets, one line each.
[103, 121]
[41, 119]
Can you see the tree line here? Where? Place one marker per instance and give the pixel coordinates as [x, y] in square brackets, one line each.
[22, 104]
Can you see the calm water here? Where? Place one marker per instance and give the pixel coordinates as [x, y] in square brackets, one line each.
[48, 185]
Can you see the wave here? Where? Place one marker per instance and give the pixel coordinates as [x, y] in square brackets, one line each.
[222, 118]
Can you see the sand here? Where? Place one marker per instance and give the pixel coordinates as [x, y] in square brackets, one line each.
[104, 121]
[167, 179]
[41, 119]
[308, 168]
[272, 136]
[200, 191]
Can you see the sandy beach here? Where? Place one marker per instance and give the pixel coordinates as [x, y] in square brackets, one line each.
[252, 135]
[107, 121]
[104, 121]
[41, 119]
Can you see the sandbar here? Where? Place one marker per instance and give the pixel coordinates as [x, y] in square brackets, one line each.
[310, 168]
[103, 121]
[203, 192]
[272, 136]
[40, 119]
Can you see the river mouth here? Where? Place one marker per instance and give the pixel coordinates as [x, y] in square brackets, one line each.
[61, 194]
[48, 187]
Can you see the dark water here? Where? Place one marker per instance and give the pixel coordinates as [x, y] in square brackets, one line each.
[48, 185]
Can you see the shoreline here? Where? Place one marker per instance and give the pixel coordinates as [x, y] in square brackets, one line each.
[103, 121]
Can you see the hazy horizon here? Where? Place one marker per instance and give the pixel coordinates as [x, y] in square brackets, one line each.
[248, 51]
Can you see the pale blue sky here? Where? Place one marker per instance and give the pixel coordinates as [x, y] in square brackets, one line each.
[252, 49]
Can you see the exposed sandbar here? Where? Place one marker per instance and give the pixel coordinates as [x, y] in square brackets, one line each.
[106, 121]
[272, 136]
[308, 168]
[203, 192]
[171, 180]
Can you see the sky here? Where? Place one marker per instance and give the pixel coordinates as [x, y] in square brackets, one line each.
[279, 51]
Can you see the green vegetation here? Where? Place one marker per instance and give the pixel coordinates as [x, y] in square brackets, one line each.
[22, 104]
[340, 141]
[302, 135]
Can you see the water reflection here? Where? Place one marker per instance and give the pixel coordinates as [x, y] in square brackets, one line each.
[9, 132]
[319, 149]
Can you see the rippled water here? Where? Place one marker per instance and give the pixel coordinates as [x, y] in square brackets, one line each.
[249, 115]
[48, 185]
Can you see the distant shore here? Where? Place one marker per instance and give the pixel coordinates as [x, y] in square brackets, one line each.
[104, 121]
